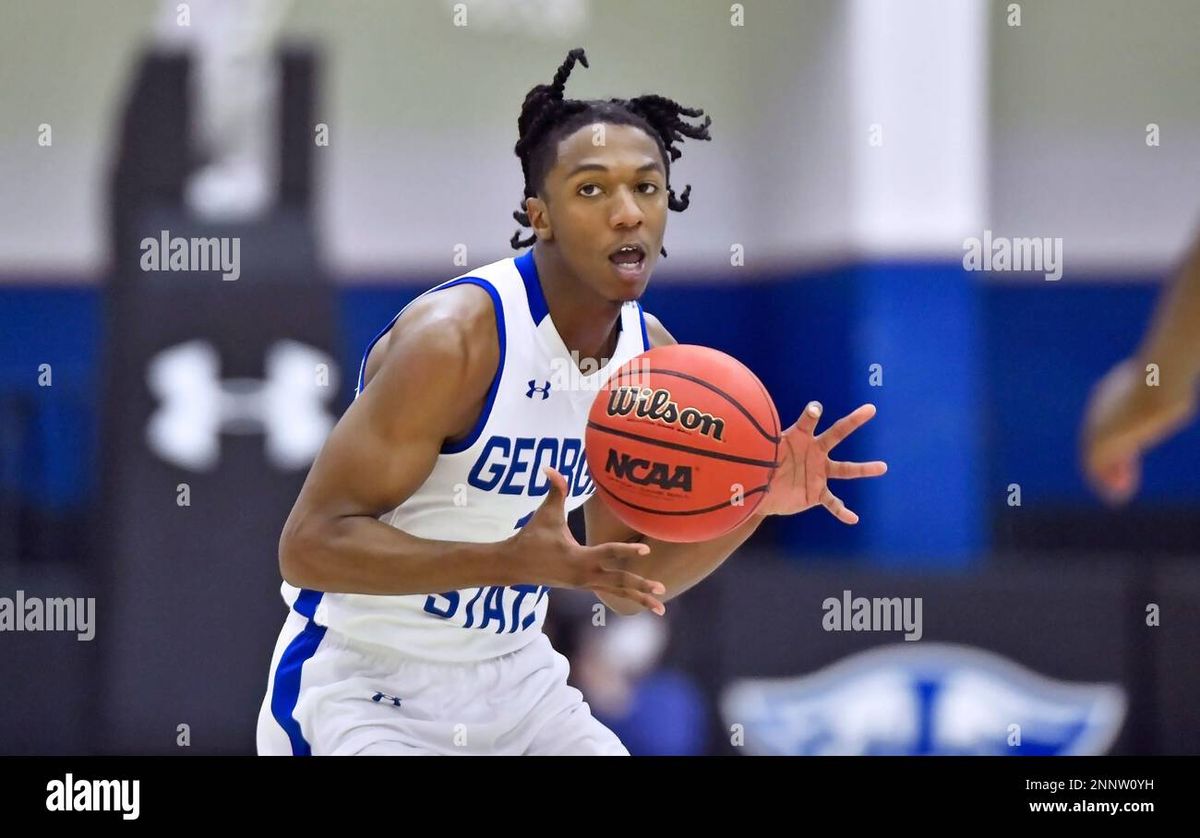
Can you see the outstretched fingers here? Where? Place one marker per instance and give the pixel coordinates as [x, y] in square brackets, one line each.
[845, 426]
[630, 586]
[842, 470]
[643, 599]
[555, 501]
[807, 423]
[837, 508]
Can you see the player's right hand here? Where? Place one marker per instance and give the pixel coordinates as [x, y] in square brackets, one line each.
[550, 555]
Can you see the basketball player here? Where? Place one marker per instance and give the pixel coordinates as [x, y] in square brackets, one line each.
[418, 557]
[1126, 416]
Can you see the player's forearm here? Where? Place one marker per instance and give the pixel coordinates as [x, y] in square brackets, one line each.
[1173, 341]
[680, 566]
[362, 555]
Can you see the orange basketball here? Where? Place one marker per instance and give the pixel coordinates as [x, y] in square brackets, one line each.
[682, 442]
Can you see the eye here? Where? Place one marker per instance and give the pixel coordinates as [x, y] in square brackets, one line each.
[654, 188]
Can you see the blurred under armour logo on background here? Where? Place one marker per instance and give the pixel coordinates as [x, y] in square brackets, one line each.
[197, 406]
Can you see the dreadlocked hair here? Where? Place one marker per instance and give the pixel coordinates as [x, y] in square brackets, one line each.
[546, 117]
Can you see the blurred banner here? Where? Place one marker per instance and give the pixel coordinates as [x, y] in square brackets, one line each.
[1055, 657]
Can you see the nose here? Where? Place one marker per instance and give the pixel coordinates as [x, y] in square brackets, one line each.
[626, 212]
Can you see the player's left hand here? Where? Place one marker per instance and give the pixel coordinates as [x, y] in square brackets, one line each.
[801, 480]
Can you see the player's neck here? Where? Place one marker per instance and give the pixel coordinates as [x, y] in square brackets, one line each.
[585, 321]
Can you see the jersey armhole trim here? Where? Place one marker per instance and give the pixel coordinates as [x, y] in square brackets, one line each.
[498, 309]
[362, 367]
[645, 337]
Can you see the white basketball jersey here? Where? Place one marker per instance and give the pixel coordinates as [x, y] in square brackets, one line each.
[486, 486]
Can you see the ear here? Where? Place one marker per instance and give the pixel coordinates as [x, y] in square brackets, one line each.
[539, 218]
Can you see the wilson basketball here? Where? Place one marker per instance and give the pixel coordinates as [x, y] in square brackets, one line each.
[682, 442]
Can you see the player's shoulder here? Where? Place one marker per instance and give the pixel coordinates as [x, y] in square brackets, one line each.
[462, 308]
[452, 329]
[469, 304]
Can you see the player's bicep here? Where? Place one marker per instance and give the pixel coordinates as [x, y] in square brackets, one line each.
[435, 370]
[372, 462]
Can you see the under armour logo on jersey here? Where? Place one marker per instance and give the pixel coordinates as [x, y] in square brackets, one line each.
[378, 697]
[533, 388]
[196, 406]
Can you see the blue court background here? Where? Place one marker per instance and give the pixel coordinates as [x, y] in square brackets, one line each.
[983, 385]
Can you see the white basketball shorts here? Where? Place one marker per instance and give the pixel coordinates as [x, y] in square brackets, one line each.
[329, 695]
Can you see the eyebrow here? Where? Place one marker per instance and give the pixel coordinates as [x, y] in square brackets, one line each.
[584, 167]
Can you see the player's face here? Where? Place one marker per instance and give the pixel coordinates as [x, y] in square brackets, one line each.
[608, 189]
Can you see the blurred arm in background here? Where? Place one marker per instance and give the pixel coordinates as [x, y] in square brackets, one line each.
[1129, 412]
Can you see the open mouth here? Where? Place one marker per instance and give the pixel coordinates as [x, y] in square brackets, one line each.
[629, 259]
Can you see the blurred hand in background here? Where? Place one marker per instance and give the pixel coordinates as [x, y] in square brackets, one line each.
[1125, 418]
[1145, 399]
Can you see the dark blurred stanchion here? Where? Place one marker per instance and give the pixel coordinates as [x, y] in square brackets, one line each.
[220, 389]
